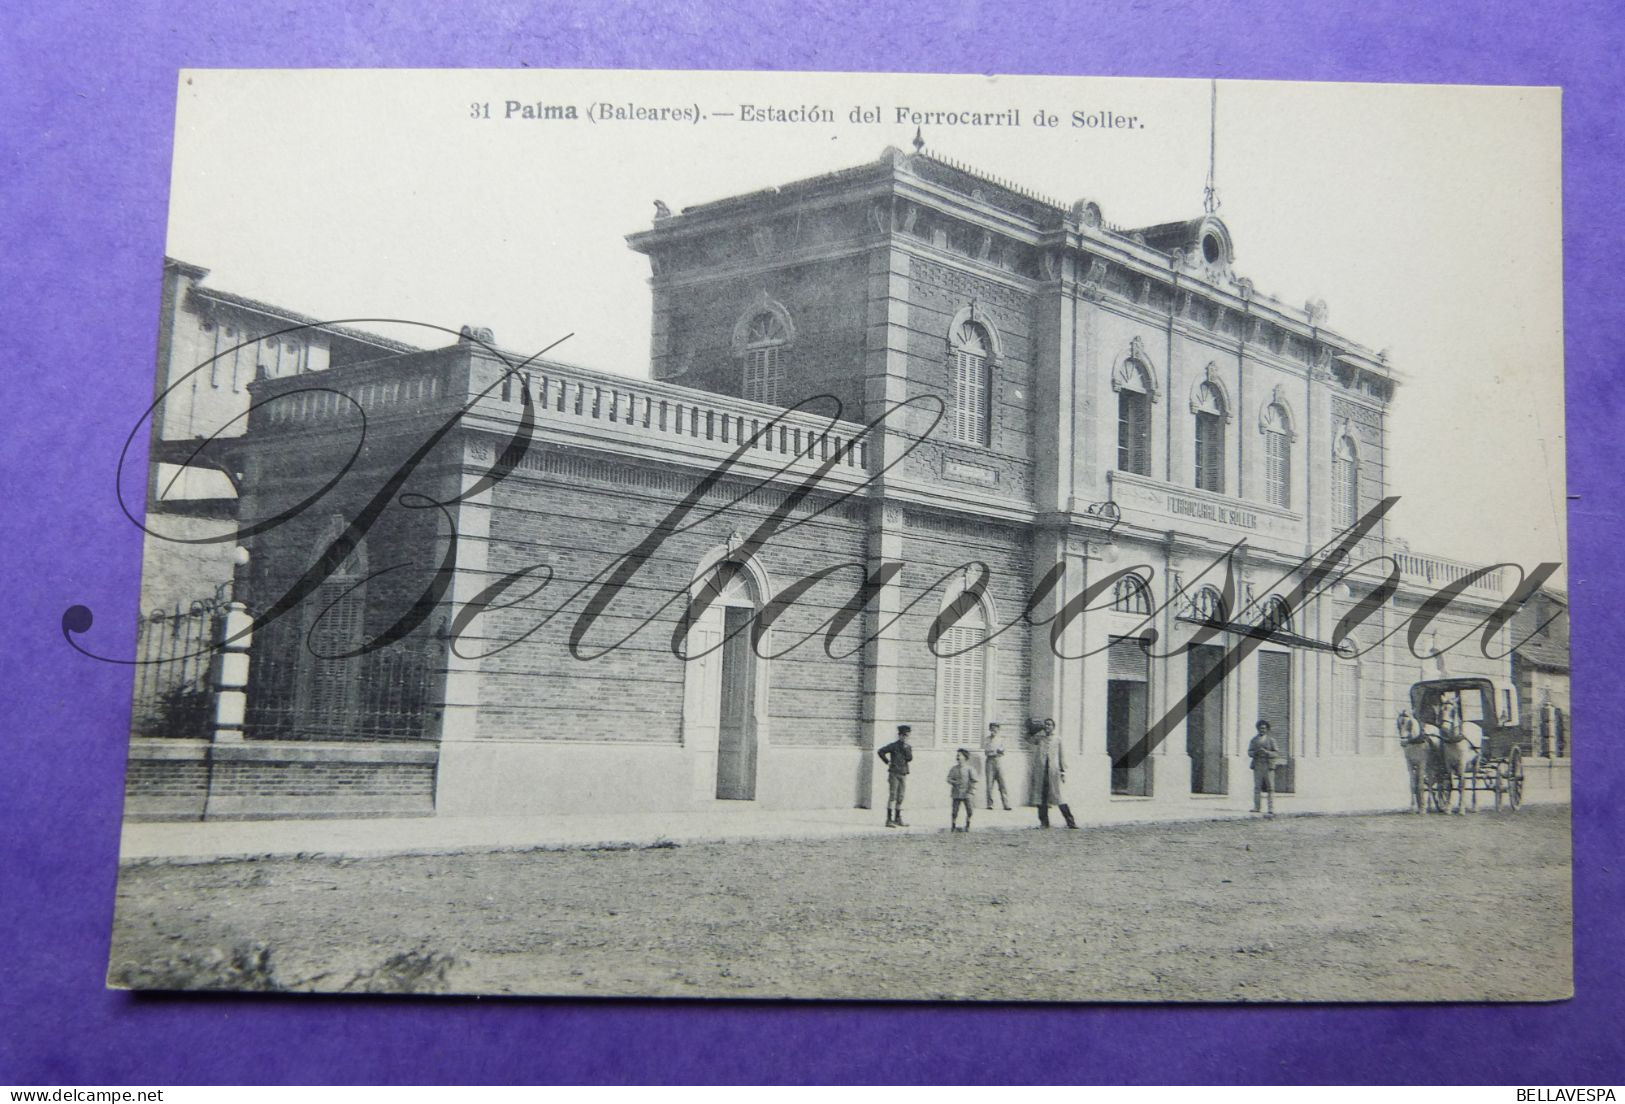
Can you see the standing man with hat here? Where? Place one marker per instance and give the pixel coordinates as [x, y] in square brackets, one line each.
[1050, 763]
[1263, 751]
[897, 755]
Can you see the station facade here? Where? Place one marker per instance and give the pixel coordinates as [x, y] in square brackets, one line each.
[918, 447]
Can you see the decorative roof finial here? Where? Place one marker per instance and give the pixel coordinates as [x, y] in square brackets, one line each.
[1210, 193]
[919, 140]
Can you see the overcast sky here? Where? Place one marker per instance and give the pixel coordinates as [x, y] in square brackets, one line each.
[1428, 218]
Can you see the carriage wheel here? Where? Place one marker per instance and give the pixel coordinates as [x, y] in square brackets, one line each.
[1515, 778]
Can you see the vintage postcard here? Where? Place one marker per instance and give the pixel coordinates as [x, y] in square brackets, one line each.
[861, 536]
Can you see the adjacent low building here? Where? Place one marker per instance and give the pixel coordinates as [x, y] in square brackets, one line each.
[1540, 670]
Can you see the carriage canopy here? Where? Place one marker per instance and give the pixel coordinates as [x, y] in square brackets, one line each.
[1489, 705]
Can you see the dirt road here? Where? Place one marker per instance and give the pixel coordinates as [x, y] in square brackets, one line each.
[1318, 908]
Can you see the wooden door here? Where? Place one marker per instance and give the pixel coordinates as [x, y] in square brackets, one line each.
[736, 730]
[1275, 706]
[1204, 725]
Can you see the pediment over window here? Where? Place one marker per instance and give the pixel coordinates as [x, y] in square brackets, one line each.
[1275, 415]
[971, 325]
[1134, 371]
[1343, 445]
[1209, 396]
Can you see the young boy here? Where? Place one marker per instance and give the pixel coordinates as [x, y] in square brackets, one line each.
[896, 755]
[962, 788]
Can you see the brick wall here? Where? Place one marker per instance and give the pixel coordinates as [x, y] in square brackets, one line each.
[394, 566]
[183, 780]
[826, 303]
[937, 292]
[577, 513]
[934, 547]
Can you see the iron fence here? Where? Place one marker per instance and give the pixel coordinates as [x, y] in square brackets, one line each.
[296, 694]
[174, 651]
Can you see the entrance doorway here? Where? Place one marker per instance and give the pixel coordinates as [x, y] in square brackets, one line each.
[1275, 706]
[736, 730]
[1204, 725]
[1127, 682]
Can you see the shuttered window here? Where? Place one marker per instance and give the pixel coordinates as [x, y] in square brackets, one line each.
[764, 374]
[766, 338]
[1275, 696]
[1126, 661]
[1209, 439]
[1278, 468]
[1210, 452]
[1346, 483]
[970, 397]
[971, 384]
[1345, 708]
[1133, 432]
[962, 683]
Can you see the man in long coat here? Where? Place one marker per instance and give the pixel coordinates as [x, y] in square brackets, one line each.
[1049, 772]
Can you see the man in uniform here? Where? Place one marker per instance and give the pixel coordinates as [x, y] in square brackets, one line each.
[897, 755]
[1263, 752]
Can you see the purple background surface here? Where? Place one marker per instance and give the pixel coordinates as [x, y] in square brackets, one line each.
[88, 97]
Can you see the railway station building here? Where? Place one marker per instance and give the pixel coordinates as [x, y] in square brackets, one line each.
[916, 446]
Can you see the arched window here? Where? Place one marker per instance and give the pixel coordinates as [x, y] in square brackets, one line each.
[1209, 606]
[1346, 482]
[1210, 418]
[964, 677]
[971, 369]
[1133, 419]
[765, 344]
[1276, 615]
[1277, 456]
[1131, 595]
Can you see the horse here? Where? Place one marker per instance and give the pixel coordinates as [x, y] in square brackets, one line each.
[1454, 750]
[1417, 748]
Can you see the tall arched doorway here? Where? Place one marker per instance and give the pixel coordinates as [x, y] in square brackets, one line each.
[725, 682]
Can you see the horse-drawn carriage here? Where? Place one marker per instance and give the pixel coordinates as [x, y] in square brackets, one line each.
[1473, 742]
